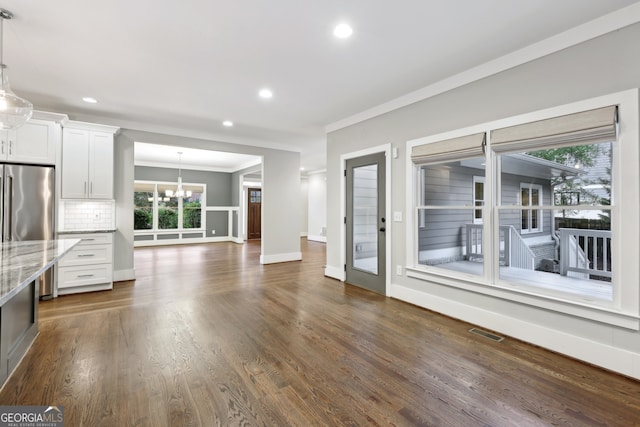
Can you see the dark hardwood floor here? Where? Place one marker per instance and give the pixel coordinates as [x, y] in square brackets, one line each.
[207, 336]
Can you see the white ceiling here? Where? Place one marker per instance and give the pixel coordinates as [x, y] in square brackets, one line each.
[184, 67]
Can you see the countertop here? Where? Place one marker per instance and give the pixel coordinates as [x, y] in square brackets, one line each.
[104, 230]
[22, 262]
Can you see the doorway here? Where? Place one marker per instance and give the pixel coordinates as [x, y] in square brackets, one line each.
[366, 222]
[254, 209]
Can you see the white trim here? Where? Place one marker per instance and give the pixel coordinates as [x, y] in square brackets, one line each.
[385, 148]
[276, 258]
[582, 33]
[335, 273]
[303, 234]
[606, 356]
[317, 238]
[73, 124]
[124, 275]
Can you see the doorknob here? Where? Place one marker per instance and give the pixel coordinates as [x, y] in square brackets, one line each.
[383, 229]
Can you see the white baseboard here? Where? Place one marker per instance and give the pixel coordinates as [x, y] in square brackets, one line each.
[335, 273]
[124, 275]
[276, 258]
[599, 354]
[303, 234]
[317, 238]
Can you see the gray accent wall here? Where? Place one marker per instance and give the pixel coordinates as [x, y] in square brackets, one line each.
[219, 191]
[600, 66]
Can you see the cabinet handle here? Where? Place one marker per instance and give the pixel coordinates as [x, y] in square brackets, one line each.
[86, 255]
[10, 147]
[91, 187]
[88, 240]
[3, 142]
[84, 275]
[85, 188]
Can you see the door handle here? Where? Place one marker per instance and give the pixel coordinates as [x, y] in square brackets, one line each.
[383, 229]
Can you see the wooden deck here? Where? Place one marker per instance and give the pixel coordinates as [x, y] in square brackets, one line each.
[586, 289]
[209, 337]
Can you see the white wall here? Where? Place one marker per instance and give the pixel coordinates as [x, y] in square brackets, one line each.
[317, 221]
[600, 66]
[123, 268]
[304, 206]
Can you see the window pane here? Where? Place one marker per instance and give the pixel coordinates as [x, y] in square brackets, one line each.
[143, 210]
[167, 213]
[576, 259]
[192, 210]
[450, 241]
[452, 238]
[365, 218]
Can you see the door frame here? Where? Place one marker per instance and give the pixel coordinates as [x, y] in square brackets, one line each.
[387, 150]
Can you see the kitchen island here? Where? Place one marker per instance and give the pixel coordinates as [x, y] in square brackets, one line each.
[21, 265]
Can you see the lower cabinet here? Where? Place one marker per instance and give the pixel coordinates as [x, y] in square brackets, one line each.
[88, 266]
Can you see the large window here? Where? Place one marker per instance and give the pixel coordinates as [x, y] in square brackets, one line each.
[155, 210]
[557, 233]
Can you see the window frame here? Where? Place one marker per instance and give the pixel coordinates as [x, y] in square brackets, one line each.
[531, 209]
[479, 179]
[180, 228]
[624, 310]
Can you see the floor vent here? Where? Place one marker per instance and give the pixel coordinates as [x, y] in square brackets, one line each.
[486, 334]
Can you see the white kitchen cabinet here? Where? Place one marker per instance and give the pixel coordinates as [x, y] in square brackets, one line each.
[33, 143]
[87, 161]
[88, 266]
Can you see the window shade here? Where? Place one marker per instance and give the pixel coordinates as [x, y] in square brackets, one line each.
[450, 149]
[585, 127]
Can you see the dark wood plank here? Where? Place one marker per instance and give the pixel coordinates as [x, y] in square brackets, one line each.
[208, 336]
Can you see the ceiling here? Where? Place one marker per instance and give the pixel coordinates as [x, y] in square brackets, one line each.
[182, 68]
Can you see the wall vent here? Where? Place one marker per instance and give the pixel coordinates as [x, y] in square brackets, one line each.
[486, 334]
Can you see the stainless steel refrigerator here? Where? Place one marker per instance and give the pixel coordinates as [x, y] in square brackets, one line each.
[27, 209]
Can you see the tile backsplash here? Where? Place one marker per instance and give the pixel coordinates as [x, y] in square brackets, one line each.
[86, 215]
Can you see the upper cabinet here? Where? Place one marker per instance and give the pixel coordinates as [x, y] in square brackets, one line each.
[87, 161]
[34, 142]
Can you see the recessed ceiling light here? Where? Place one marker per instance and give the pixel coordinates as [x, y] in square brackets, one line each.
[90, 100]
[265, 93]
[342, 31]
[227, 123]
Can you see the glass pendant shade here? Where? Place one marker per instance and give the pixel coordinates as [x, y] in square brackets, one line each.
[14, 111]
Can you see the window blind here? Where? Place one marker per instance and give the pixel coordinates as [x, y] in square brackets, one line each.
[450, 149]
[590, 126]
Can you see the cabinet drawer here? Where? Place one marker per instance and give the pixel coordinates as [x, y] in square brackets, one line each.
[90, 238]
[69, 277]
[88, 254]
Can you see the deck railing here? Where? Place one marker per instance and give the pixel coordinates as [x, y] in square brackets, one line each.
[514, 251]
[585, 252]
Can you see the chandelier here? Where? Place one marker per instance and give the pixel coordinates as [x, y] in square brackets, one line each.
[14, 111]
[180, 192]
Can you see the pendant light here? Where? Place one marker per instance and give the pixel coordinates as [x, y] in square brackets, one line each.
[14, 111]
[180, 192]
